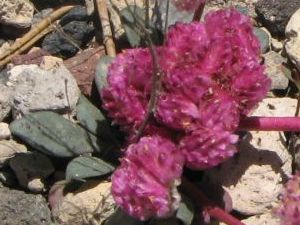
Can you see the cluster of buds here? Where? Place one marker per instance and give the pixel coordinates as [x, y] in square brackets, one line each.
[212, 76]
[289, 209]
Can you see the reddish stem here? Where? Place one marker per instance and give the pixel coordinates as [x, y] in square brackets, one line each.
[199, 11]
[203, 202]
[270, 123]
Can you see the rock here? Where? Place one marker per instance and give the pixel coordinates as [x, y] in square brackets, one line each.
[4, 131]
[263, 37]
[19, 208]
[276, 45]
[41, 15]
[276, 70]
[254, 177]
[75, 33]
[17, 13]
[292, 32]
[82, 66]
[90, 202]
[275, 14]
[34, 56]
[263, 219]
[8, 149]
[50, 62]
[5, 99]
[8, 177]
[90, 7]
[31, 168]
[36, 89]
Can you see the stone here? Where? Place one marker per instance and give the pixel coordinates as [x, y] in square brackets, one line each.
[262, 219]
[8, 149]
[36, 89]
[292, 45]
[275, 14]
[5, 101]
[31, 168]
[41, 15]
[255, 176]
[276, 70]
[92, 201]
[263, 37]
[7, 177]
[4, 131]
[76, 31]
[90, 7]
[20, 208]
[17, 13]
[50, 62]
[276, 45]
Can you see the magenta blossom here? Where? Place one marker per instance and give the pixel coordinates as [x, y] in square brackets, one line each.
[212, 75]
[145, 184]
[289, 209]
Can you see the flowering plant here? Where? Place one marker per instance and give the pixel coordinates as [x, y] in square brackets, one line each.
[180, 104]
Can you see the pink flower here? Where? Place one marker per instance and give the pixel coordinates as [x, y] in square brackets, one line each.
[206, 148]
[144, 185]
[289, 209]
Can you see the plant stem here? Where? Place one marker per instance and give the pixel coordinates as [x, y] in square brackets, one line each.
[199, 11]
[167, 20]
[203, 202]
[270, 123]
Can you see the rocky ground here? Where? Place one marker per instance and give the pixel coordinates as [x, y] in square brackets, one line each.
[57, 74]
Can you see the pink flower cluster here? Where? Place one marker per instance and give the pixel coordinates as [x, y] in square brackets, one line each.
[212, 77]
[289, 210]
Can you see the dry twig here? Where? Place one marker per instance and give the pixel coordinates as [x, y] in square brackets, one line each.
[106, 29]
[35, 34]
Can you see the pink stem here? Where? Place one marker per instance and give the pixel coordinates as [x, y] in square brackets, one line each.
[198, 12]
[270, 123]
[203, 202]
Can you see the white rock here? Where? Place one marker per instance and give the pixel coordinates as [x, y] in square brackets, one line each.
[4, 131]
[292, 32]
[18, 13]
[92, 201]
[8, 149]
[275, 69]
[276, 45]
[30, 169]
[50, 62]
[263, 219]
[5, 101]
[254, 177]
[36, 89]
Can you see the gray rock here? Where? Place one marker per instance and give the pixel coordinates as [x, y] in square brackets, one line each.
[254, 177]
[5, 99]
[4, 131]
[17, 13]
[275, 14]
[8, 149]
[41, 15]
[264, 39]
[76, 32]
[277, 45]
[292, 46]
[276, 70]
[8, 177]
[31, 168]
[19, 208]
[38, 90]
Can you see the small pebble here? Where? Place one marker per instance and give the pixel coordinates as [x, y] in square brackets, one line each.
[4, 131]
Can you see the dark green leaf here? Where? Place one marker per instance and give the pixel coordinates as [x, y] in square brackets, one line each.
[101, 71]
[86, 166]
[54, 135]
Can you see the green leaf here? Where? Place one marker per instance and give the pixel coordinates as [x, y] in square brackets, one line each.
[120, 218]
[101, 71]
[87, 166]
[93, 120]
[186, 211]
[131, 16]
[54, 135]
